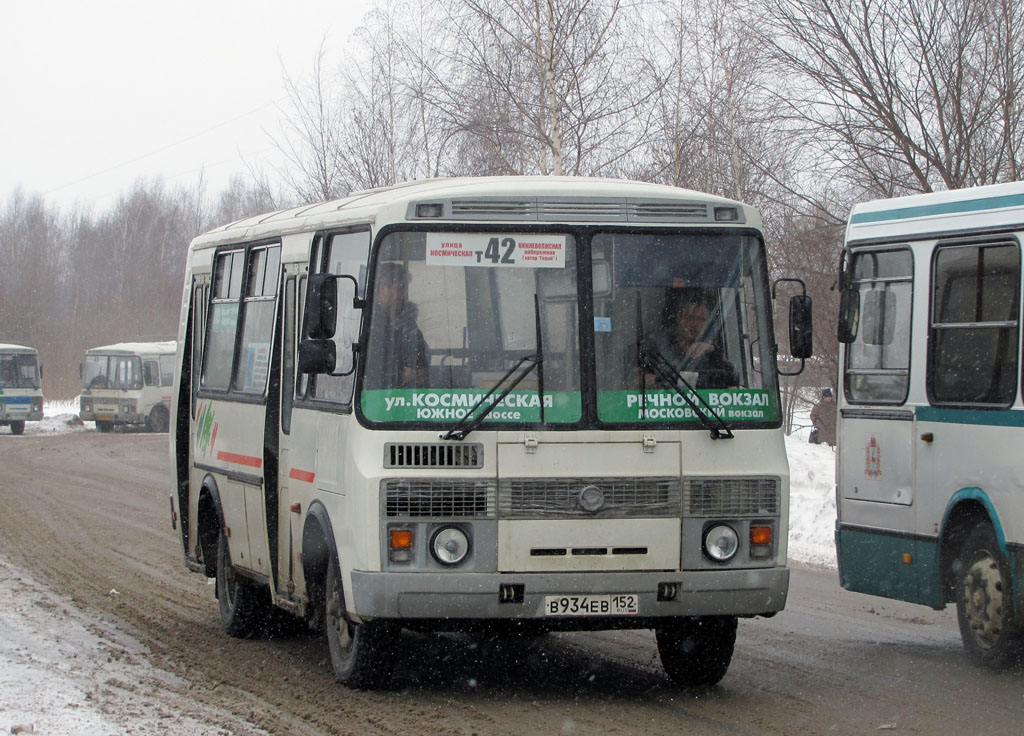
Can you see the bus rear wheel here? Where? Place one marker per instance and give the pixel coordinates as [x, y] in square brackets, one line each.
[696, 652]
[360, 653]
[984, 600]
[18, 427]
[244, 605]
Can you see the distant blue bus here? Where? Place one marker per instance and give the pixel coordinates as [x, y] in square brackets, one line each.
[21, 396]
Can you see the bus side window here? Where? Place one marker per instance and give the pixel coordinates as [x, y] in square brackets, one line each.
[974, 325]
[150, 373]
[346, 254]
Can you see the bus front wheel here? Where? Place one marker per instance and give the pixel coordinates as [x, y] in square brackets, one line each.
[360, 653]
[18, 427]
[243, 604]
[696, 652]
[984, 600]
[158, 419]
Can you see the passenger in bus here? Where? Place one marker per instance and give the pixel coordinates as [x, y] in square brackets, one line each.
[688, 340]
[402, 358]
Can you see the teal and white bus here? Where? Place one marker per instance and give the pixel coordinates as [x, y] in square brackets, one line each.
[930, 490]
[21, 394]
[450, 405]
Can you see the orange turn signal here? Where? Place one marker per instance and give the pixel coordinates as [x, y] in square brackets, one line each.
[760, 535]
[401, 538]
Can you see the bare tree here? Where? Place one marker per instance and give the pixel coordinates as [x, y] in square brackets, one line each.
[903, 95]
[562, 78]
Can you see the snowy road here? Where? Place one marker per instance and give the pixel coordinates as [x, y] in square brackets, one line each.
[90, 561]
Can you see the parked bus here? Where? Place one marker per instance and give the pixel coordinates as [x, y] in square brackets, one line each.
[129, 383]
[21, 395]
[449, 405]
[928, 491]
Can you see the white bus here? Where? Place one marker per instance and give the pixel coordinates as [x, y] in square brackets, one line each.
[21, 394]
[444, 405]
[129, 383]
[929, 486]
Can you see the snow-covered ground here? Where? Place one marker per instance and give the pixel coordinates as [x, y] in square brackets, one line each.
[53, 658]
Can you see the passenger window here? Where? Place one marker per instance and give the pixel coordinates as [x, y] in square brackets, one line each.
[975, 312]
[346, 254]
[878, 361]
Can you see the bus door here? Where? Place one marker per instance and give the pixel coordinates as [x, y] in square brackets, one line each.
[316, 409]
[876, 441]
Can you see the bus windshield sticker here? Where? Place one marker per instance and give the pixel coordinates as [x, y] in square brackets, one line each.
[496, 250]
[443, 405]
[733, 405]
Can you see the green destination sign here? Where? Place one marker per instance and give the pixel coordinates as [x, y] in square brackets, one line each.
[731, 404]
[450, 405]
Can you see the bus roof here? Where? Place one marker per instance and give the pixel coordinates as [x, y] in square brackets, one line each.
[993, 207]
[564, 199]
[135, 348]
[11, 348]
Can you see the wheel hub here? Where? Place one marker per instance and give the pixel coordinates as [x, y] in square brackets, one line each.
[983, 593]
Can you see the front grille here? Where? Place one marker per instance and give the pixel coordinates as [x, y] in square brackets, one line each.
[731, 496]
[431, 455]
[438, 499]
[559, 498]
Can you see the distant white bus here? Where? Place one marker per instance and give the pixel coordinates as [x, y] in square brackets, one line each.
[21, 394]
[930, 477]
[128, 383]
[451, 404]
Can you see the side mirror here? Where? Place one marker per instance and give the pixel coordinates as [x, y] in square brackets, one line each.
[321, 316]
[849, 315]
[800, 323]
[317, 356]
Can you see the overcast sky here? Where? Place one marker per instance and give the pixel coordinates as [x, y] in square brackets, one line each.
[95, 95]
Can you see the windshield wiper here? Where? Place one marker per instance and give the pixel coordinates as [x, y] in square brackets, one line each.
[649, 357]
[467, 424]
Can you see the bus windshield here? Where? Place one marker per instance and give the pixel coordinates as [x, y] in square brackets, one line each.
[122, 372]
[452, 313]
[697, 301]
[19, 370]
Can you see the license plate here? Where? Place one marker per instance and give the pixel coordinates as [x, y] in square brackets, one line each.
[618, 604]
[104, 418]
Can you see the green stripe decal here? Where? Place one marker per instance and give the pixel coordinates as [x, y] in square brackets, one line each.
[945, 208]
[996, 418]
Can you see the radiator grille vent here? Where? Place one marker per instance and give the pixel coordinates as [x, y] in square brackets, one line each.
[438, 499]
[427, 455]
[555, 209]
[731, 496]
[560, 498]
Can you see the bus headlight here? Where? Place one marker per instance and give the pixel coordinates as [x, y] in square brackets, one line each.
[720, 542]
[449, 545]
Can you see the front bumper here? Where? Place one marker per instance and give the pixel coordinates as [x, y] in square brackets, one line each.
[460, 598]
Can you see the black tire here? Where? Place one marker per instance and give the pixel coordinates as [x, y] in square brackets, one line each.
[244, 605]
[104, 425]
[361, 654]
[984, 600]
[158, 419]
[18, 427]
[696, 652]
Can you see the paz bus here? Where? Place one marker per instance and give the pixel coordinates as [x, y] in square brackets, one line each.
[128, 383]
[928, 490]
[21, 395]
[444, 406]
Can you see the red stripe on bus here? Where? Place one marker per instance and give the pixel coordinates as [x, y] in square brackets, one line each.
[230, 457]
[303, 475]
